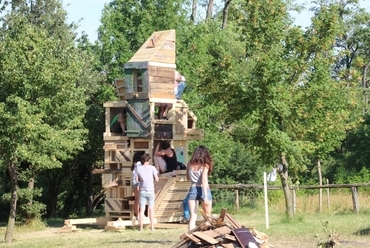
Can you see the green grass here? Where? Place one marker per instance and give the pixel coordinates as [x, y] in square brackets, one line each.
[305, 230]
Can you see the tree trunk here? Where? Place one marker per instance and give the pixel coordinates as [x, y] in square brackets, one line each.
[225, 12]
[193, 10]
[365, 89]
[285, 184]
[31, 186]
[90, 196]
[13, 203]
[320, 183]
[209, 9]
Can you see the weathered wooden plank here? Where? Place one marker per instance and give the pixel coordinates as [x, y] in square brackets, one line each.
[232, 221]
[136, 65]
[227, 245]
[115, 104]
[86, 221]
[201, 227]
[120, 85]
[193, 238]
[230, 237]
[153, 63]
[155, 81]
[163, 95]
[220, 220]
[211, 233]
[205, 237]
[163, 193]
[136, 95]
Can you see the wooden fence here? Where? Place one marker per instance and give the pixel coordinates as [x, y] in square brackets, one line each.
[354, 188]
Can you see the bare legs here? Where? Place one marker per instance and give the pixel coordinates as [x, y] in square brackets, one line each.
[193, 208]
[207, 207]
[151, 217]
[137, 202]
[141, 219]
[144, 197]
[159, 164]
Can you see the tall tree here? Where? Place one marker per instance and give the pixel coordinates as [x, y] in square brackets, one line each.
[209, 12]
[225, 13]
[193, 10]
[267, 86]
[42, 103]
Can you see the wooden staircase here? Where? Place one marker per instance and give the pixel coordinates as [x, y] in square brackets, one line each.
[168, 204]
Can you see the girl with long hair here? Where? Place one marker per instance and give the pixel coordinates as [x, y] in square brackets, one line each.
[200, 167]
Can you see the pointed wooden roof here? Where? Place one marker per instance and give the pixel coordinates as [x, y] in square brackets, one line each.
[159, 47]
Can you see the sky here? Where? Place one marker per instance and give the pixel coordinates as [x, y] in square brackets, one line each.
[88, 14]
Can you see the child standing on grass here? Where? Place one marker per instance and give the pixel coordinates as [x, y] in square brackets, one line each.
[200, 166]
[146, 174]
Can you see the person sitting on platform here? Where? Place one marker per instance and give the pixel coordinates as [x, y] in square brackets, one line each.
[163, 111]
[180, 84]
[118, 123]
[165, 159]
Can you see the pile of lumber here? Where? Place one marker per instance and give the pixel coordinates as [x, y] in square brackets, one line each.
[223, 231]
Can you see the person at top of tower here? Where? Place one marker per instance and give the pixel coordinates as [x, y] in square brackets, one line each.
[180, 84]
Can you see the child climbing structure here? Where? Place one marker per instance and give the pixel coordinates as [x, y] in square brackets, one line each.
[150, 113]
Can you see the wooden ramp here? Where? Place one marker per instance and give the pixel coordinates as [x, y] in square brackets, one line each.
[168, 205]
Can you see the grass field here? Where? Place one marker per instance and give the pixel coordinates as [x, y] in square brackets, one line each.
[304, 231]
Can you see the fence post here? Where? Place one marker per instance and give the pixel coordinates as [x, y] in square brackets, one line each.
[328, 194]
[356, 202]
[266, 200]
[237, 199]
[294, 201]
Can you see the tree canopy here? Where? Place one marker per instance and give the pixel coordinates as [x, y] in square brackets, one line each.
[265, 91]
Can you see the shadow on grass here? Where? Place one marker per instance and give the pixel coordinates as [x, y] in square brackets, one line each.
[55, 222]
[59, 223]
[132, 241]
[363, 232]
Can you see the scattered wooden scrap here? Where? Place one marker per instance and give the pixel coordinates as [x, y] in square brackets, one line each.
[223, 231]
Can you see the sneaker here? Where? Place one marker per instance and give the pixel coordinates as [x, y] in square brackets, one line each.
[153, 229]
[184, 221]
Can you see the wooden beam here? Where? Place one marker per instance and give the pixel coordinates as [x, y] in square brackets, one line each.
[86, 221]
[205, 237]
[233, 222]
[115, 104]
[220, 220]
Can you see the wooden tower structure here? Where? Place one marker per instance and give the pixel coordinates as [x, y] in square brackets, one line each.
[147, 86]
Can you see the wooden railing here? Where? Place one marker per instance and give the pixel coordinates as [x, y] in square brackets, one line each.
[354, 188]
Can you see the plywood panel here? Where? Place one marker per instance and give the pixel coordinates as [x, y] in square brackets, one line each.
[161, 42]
[138, 118]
